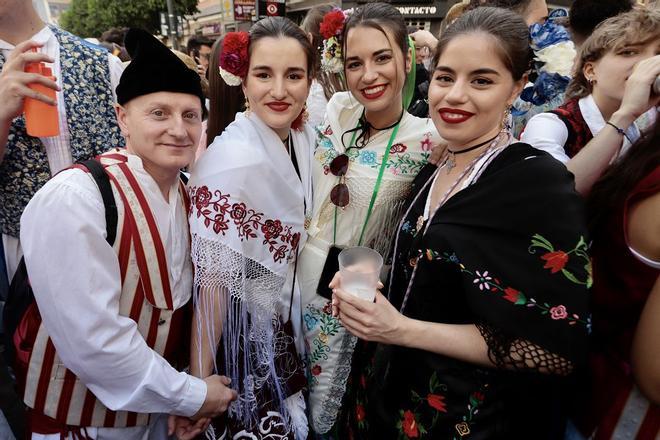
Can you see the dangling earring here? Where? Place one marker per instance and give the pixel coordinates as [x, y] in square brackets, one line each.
[592, 81]
[505, 125]
[301, 119]
[247, 107]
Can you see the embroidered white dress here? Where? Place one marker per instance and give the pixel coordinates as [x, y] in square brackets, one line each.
[329, 346]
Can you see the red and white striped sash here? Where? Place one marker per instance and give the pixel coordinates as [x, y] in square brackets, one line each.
[146, 297]
[631, 416]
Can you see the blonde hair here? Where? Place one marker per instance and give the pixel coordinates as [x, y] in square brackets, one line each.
[192, 65]
[638, 25]
[453, 13]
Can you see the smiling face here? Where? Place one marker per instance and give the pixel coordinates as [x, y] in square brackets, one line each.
[277, 83]
[375, 70]
[470, 90]
[163, 129]
[611, 72]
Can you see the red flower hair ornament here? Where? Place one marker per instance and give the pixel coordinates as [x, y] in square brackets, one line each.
[331, 29]
[234, 58]
[332, 24]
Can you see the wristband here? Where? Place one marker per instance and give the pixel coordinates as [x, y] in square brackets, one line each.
[621, 131]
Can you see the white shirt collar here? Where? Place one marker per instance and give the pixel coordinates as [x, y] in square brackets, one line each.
[136, 165]
[41, 37]
[591, 114]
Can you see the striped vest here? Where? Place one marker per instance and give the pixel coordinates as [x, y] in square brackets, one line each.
[53, 390]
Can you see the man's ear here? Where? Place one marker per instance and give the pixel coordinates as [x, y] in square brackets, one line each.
[122, 114]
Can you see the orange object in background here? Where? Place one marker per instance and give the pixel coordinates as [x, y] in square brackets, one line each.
[41, 119]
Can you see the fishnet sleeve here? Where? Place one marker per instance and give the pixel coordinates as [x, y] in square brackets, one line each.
[512, 353]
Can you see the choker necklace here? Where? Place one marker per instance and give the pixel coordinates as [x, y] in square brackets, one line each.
[450, 162]
[363, 128]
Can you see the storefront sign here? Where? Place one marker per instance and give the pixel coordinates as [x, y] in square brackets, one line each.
[244, 10]
[227, 10]
[272, 8]
[421, 11]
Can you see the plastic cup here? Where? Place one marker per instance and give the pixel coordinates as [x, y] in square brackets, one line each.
[360, 271]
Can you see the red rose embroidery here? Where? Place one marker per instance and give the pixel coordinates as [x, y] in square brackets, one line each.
[558, 312]
[511, 294]
[238, 211]
[202, 197]
[332, 24]
[220, 225]
[398, 148]
[478, 396]
[316, 370]
[555, 261]
[437, 401]
[360, 413]
[272, 229]
[327, 308]
[409, 425]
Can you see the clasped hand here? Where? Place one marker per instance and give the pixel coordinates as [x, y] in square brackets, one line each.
[218, 398]
[376, 321]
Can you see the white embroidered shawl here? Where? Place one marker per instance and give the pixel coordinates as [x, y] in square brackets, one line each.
[247, 223]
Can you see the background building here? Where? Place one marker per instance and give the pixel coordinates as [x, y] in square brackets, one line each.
[56, 7]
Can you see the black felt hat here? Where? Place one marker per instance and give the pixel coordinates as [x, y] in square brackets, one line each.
[154, 68]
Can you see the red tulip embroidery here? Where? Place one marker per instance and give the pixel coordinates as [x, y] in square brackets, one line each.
[555, 261]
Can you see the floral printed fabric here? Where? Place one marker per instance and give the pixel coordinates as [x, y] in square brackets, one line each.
[217, 212]
[401, 161]
[90, 117]
[329, 345]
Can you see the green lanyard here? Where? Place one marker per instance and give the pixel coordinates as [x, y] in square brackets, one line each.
[383, 165]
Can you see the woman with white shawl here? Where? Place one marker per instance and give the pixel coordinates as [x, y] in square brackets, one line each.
[250, 195]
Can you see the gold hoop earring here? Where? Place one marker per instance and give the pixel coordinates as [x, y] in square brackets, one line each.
[247, 107]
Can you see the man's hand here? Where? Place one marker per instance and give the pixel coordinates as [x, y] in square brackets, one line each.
[14, 81]
[185, 429]
[218, 397]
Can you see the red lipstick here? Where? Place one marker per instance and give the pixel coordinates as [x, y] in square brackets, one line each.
[278, 106]
[454, 115]
[374, 92]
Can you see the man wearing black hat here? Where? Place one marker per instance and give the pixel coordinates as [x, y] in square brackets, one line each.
[111, 317]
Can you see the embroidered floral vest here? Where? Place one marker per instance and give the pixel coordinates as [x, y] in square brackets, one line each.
[579, 133]
[90, 116]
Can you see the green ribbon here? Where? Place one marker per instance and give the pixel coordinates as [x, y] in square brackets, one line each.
[381, 171]
[409, 85]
